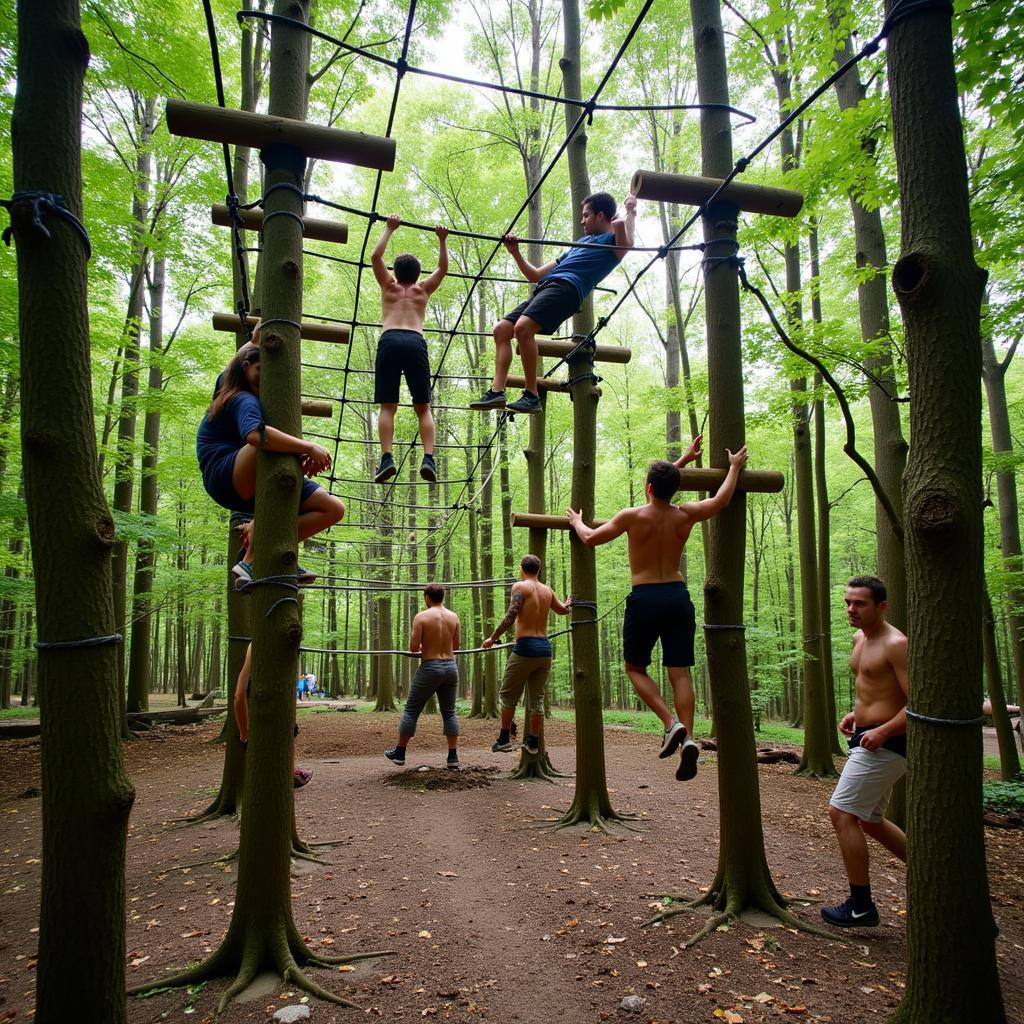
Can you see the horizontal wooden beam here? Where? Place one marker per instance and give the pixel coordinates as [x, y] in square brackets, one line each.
[312, 227]
[334, 333]
[313, 407]
[243, 128]
[536, 521]
[692, 191]
[603, 354]
[751, 481]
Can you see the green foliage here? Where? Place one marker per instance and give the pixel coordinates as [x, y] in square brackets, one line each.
[1003, 797]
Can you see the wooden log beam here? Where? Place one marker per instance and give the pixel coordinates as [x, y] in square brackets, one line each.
[312, 227]
[312, 407]
[539, 521]
[692, 191]
[243, 128]
[334, 333]
[604, 353]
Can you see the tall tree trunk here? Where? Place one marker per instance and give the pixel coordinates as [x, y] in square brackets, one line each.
[1009, 761]
[145, 557]
[742, 878]
[124, 467]
[939, 287]
[85, 791]
[490, 702]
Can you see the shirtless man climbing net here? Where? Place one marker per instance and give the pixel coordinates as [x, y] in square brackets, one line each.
[659, 605]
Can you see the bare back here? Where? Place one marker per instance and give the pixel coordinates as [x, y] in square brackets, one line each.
[438, 629]
[879, 663]
[656, 536]
[532, 619]
[403, 306]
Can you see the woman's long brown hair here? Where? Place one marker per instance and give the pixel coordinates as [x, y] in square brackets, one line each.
[233, 381]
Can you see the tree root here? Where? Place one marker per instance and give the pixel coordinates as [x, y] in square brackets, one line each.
[592, 820]
[537, 768]
[228, 858]
[297, 977]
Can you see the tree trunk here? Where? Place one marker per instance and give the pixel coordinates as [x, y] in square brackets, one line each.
[85, 791]
[742, 878]
[939, 288]
[490, 702]
[1009, 761]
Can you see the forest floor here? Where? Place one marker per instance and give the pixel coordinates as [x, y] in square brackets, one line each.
[490, 916]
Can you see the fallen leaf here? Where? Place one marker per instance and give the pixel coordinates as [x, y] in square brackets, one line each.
[447, 874]
[345, 968]
[425, 934]
[611, 940]
[139, 960]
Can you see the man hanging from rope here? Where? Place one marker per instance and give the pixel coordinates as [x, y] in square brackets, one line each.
[402, 348]
[659, 605]
[563, 286]
[529, 664]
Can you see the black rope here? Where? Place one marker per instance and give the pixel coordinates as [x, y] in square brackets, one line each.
[232, 200]
[720, 625]
[932, 720]
[70, 645]
[401, 66]
[245, 586]
[42, 204]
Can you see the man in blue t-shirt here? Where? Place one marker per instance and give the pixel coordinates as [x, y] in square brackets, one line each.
[564, 284]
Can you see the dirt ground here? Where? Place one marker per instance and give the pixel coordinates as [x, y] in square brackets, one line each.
[489, 915]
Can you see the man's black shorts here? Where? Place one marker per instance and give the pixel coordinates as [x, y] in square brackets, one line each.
[551, 304]
[659, 611]
[401, 352]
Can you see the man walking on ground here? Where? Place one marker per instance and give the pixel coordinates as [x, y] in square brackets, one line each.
[402, 348]
[529, 664]
[877, 731]
[435, 637]
[564, 285]
[659, 605]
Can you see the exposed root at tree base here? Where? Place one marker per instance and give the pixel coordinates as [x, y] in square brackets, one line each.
[228, 858]
[592, 819]
[537, 769]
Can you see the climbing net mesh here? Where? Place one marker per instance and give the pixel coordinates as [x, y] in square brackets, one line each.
[374, 513]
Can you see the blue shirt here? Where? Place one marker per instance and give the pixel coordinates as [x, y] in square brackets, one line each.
[228, 431]
[585, 268]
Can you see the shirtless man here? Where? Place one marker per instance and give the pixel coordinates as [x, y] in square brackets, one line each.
[660, 605]
[877, 728]
[402, 348]
[435, 637]
[529, 664]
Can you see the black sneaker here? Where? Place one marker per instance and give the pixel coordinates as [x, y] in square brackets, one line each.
[844, 916]
[490, 399]
[428, 470]
[528, 404]
[396, 755]
[688, 761]
[501, 746]
[453, 759]
[531, 745]
[671, 738]
[386, 470]
[304, 577]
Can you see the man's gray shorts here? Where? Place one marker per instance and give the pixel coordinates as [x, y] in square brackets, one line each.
[868, 776]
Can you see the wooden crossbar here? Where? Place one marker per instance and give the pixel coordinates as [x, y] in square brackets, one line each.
[603, 353]
[244, 128]
[313, 407]
[692, 191]
[312, 227]
[334, 333]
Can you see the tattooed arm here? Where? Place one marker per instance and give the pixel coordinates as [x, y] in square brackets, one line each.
[514, 608]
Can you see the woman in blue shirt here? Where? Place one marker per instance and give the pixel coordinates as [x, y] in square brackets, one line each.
[231, 434]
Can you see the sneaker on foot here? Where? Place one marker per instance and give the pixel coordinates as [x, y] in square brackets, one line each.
[453, 759]
[688, 761]
[304, 576]
[428, 470]
[242, 571]
[300, 777]
[845, 916]
[396, 755]
[501, 746]
[531, 745]
[490, 399]
[528, 404]
[386, 470]
[671, 738]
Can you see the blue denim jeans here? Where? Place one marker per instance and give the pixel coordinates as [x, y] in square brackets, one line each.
[440, 676]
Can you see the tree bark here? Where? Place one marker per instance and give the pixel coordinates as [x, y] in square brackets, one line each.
[939, 287]
[1009, 760]
[86, 795]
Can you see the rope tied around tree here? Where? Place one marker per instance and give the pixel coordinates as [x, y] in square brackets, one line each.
[42, 204]
[737, 627]
[914, 716]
